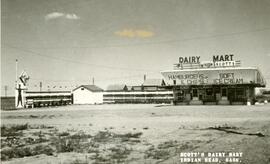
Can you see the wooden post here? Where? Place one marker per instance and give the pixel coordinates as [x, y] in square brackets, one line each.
[40, 86]
[6, 88]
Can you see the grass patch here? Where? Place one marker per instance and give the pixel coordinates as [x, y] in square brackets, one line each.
[13, 130]
[20, 152]
[71, 143]
[106, 146]
[156, 153]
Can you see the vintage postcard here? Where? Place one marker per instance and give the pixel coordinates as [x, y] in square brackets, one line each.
[135, 81]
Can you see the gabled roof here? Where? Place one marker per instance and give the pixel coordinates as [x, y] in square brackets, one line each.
[92, 88]
[129, 88]
[117, 87]
[153, 82]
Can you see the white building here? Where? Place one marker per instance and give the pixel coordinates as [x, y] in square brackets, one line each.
[88, 94]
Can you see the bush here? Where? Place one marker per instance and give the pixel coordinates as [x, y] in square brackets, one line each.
[14, 130]
[21, 152]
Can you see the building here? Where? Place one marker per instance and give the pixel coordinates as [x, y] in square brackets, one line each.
[87, 94]
[222, 81]
[117, 88]
[47, 98]
[151, 91]
[153, 84]
[25, 98]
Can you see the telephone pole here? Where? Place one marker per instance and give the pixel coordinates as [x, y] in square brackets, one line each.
[16, 74]
[6, 88]
[40, 86]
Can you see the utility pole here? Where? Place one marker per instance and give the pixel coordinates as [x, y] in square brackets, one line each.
[16, 74]
[40, 86]
[6, 88]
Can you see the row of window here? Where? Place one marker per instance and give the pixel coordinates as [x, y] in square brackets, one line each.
[48, 97]
[138, 95]
[133, 98]
[223, 91]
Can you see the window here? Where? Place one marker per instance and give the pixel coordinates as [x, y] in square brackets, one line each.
[209, 91]
[240, 92]
[82, 89]
[224, 91]
[195, 93]
[174, 82]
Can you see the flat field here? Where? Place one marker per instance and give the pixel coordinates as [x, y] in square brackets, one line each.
[136, 134]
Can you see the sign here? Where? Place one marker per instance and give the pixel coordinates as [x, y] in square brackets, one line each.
[225, 61]
[210, 77]
[24, 78]
[20, 90]
[189, 60]
[218, 58]
[228, 78]
[19, 95]
[218, 61]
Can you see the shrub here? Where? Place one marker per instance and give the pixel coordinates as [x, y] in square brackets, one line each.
[13, 130]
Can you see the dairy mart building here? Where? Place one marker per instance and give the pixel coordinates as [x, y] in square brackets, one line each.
[221, 81]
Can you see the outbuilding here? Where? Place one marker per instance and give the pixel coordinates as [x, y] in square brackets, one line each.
[88, 94]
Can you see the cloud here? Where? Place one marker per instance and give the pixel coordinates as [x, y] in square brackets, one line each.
[56, 15]
[131, 33]
[72, 16]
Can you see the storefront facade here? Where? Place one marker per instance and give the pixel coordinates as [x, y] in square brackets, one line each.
[197, 84]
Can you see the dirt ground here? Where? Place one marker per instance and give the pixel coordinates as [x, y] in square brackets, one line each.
[136, 134]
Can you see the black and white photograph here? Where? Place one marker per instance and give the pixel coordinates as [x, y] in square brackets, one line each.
[135, 82]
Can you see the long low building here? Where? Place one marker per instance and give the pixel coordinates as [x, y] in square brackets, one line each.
[138, 97]
[214, 84]
[47, 98]
[151, 91]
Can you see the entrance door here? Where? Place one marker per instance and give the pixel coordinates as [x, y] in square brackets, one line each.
[231, 94]
[224, 92]
[201, 93]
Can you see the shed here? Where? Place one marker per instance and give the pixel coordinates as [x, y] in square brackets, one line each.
[88, 94]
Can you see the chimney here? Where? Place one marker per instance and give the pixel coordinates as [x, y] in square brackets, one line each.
[93, 81]
[144, 77]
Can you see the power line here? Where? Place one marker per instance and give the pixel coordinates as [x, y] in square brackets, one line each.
[73, 61]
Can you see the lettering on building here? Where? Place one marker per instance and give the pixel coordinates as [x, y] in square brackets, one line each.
[189, 79]
[189, 60]
[228, 78]
[200, 79]
[218, 58]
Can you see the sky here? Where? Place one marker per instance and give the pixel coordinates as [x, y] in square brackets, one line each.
[65, 43]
